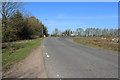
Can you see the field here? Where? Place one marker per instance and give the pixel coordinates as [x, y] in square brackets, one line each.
[14, 52]
[106, 43]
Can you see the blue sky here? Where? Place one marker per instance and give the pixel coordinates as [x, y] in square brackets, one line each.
[72, 15]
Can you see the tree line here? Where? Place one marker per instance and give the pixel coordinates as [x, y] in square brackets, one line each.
[89, 32]
[17, 26]
[97, 32]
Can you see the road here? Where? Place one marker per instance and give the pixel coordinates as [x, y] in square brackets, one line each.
[67, 59]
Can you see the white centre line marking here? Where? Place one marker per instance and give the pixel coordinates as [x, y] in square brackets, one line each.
[58, 76]
[47, 55]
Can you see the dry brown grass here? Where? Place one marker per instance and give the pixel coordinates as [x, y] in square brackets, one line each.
[100, 42]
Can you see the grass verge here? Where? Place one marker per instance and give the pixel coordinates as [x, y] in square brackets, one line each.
[17, 51]
[97, 42]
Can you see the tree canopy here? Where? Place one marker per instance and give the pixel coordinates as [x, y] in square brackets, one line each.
[17, 27]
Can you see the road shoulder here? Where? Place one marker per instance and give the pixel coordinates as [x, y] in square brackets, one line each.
[31, 67]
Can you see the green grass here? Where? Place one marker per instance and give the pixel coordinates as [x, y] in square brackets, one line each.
[0, 62]
[17, 52]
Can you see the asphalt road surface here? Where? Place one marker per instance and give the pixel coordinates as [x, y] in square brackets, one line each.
[67, 59]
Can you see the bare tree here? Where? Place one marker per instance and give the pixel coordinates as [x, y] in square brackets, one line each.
[79, 31]
[56, 32]
[7, 10]
[87, 32]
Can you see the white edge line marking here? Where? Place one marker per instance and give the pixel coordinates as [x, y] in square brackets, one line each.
[47, 55]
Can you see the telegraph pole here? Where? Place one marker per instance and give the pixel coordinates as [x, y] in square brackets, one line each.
[43, 27]
[42, 30]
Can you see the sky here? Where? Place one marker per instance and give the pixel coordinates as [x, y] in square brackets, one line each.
[72, 15]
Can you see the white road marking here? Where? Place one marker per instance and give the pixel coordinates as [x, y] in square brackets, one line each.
[47, 55]
[58, 76]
